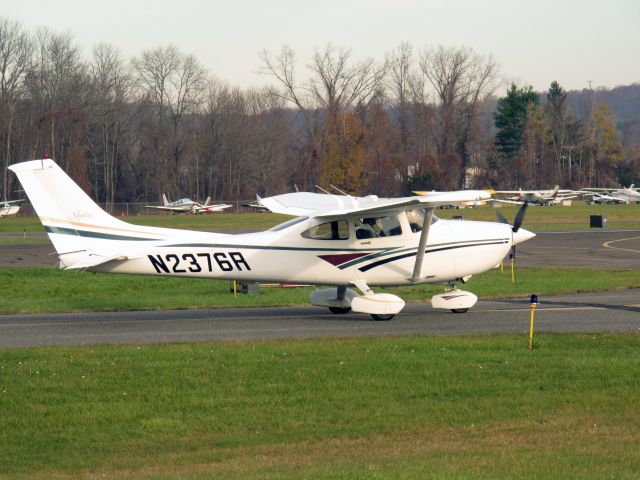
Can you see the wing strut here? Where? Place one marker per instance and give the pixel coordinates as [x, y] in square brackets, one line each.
[426, 224]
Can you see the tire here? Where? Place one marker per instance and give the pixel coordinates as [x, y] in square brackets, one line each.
[382, 317]
[339, 310]
[459, 310]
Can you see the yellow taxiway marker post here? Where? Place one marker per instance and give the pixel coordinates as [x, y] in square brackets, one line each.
[533, 304]
[235, 289]
[513, 268]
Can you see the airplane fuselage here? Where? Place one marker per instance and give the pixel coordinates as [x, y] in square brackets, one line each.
[456, 249]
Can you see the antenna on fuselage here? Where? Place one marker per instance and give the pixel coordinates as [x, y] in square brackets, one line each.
[323, 190]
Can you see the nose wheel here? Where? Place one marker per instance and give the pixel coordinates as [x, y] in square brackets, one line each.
[339, 310]
[382, 317]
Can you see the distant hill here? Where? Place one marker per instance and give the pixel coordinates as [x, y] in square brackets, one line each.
[624, 101]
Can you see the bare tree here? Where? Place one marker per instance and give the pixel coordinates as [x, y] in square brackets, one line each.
[111, 87]
[57, 84]
[335, 86]
[461, 80]
[16, 49]
[174, 84]
[399, 64]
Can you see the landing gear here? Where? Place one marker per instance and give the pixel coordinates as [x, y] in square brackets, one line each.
[382, 317]
[457, 301]
[339, 310]
[341, 300]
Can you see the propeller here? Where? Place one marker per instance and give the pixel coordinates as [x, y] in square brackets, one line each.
[517, 223]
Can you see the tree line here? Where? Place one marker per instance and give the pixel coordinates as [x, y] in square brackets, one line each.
[128, 130]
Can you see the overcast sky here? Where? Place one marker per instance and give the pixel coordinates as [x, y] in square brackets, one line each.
[571, 41]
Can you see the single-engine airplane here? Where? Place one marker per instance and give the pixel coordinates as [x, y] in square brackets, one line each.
[186, 205]
[613, 195]
[471, 203]
[535, 197]
[338, 241]
[9, 207]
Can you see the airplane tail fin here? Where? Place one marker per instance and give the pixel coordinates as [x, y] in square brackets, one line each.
[164, 200]
[69, 216]
[207, 202]
[555, 190]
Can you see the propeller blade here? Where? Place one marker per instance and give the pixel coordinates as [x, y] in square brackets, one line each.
[501, 218]
[519, 217]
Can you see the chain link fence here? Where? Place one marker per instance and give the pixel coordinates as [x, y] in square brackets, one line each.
[135, 209]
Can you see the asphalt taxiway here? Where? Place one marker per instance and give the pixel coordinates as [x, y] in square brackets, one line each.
[617, 311]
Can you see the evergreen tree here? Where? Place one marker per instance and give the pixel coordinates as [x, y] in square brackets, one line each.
[510, 119]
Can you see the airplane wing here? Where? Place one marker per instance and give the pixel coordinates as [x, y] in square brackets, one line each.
[503, 200]
[514, 192]
[213, 208]
[168, 209]
[326, 205]
[11, 202]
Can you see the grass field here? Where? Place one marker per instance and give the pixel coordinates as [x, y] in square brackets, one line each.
[39, 290]
[410, 407]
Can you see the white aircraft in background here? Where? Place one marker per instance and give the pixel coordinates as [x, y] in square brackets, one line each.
[339, 241]
[613, 195]
[470, 203]
[186, 205]
[535, 197]
[10, 207]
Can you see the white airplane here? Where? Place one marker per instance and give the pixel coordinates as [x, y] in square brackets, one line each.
[186, 205]
[337, 241]
[10, 207]
[613, 195]
[470, 203]
[535, 197]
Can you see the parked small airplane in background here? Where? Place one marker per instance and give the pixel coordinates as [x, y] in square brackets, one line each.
[337, 240]
[535, 197]
[470, 203]
[613, 195]
[10, 207]
[186, 205]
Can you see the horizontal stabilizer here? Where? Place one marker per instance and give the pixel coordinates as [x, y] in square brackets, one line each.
[93, 260]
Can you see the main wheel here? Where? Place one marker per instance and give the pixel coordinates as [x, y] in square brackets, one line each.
[459, 310]
[379, 317]
[339, 310]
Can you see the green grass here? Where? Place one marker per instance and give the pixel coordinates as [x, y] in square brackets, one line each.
[409, 407]
[38, 290]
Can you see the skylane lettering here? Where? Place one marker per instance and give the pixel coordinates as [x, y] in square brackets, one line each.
[199, 262]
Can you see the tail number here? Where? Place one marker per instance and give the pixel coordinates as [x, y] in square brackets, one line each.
[198, 262]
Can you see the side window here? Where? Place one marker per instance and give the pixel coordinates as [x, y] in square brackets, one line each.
[374, 227]
[416, 219]
[336, 230]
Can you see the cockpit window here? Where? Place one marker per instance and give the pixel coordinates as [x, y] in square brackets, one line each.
[416, 219]
[287, 224]
[374, 227]
[336, 230]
